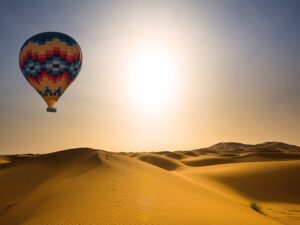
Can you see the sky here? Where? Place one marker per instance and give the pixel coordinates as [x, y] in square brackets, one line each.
[156, 75]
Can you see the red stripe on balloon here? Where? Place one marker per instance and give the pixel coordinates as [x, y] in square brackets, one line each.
[49, 55]
[54, 78]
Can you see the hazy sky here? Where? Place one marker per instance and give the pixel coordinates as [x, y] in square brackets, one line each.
[156, 75]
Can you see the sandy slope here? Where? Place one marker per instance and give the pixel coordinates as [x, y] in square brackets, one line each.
[3, 160]
[274, 186]
[260, 181]
[86, 186]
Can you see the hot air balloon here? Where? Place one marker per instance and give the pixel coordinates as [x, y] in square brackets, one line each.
[50, 62]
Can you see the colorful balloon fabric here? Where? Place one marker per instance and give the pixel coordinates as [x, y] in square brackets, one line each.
[50, 61]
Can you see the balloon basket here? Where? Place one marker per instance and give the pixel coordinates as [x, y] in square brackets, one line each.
[51, 109]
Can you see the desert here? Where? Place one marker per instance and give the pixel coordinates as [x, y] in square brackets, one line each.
[226, 184]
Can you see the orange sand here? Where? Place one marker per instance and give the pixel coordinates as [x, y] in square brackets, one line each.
[212, 186]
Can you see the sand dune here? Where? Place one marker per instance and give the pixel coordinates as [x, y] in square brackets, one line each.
[160, 161]
[87, 186]
[260, 181]
[173, 155]
[274, 185]
[240, 148]
[3, 160]
[234, 158]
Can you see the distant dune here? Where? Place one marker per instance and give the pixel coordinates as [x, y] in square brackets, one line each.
[225, 184]
[164, 162]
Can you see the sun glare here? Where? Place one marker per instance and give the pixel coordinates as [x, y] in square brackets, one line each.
[152, 79]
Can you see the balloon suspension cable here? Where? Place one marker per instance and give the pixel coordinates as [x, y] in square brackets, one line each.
[51, 109]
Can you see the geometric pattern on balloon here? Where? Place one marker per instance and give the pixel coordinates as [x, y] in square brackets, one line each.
[50, 62]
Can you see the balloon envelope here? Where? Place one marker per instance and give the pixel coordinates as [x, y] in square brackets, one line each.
[50, 62]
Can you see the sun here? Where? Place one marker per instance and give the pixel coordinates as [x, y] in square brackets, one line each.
[152, 78]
